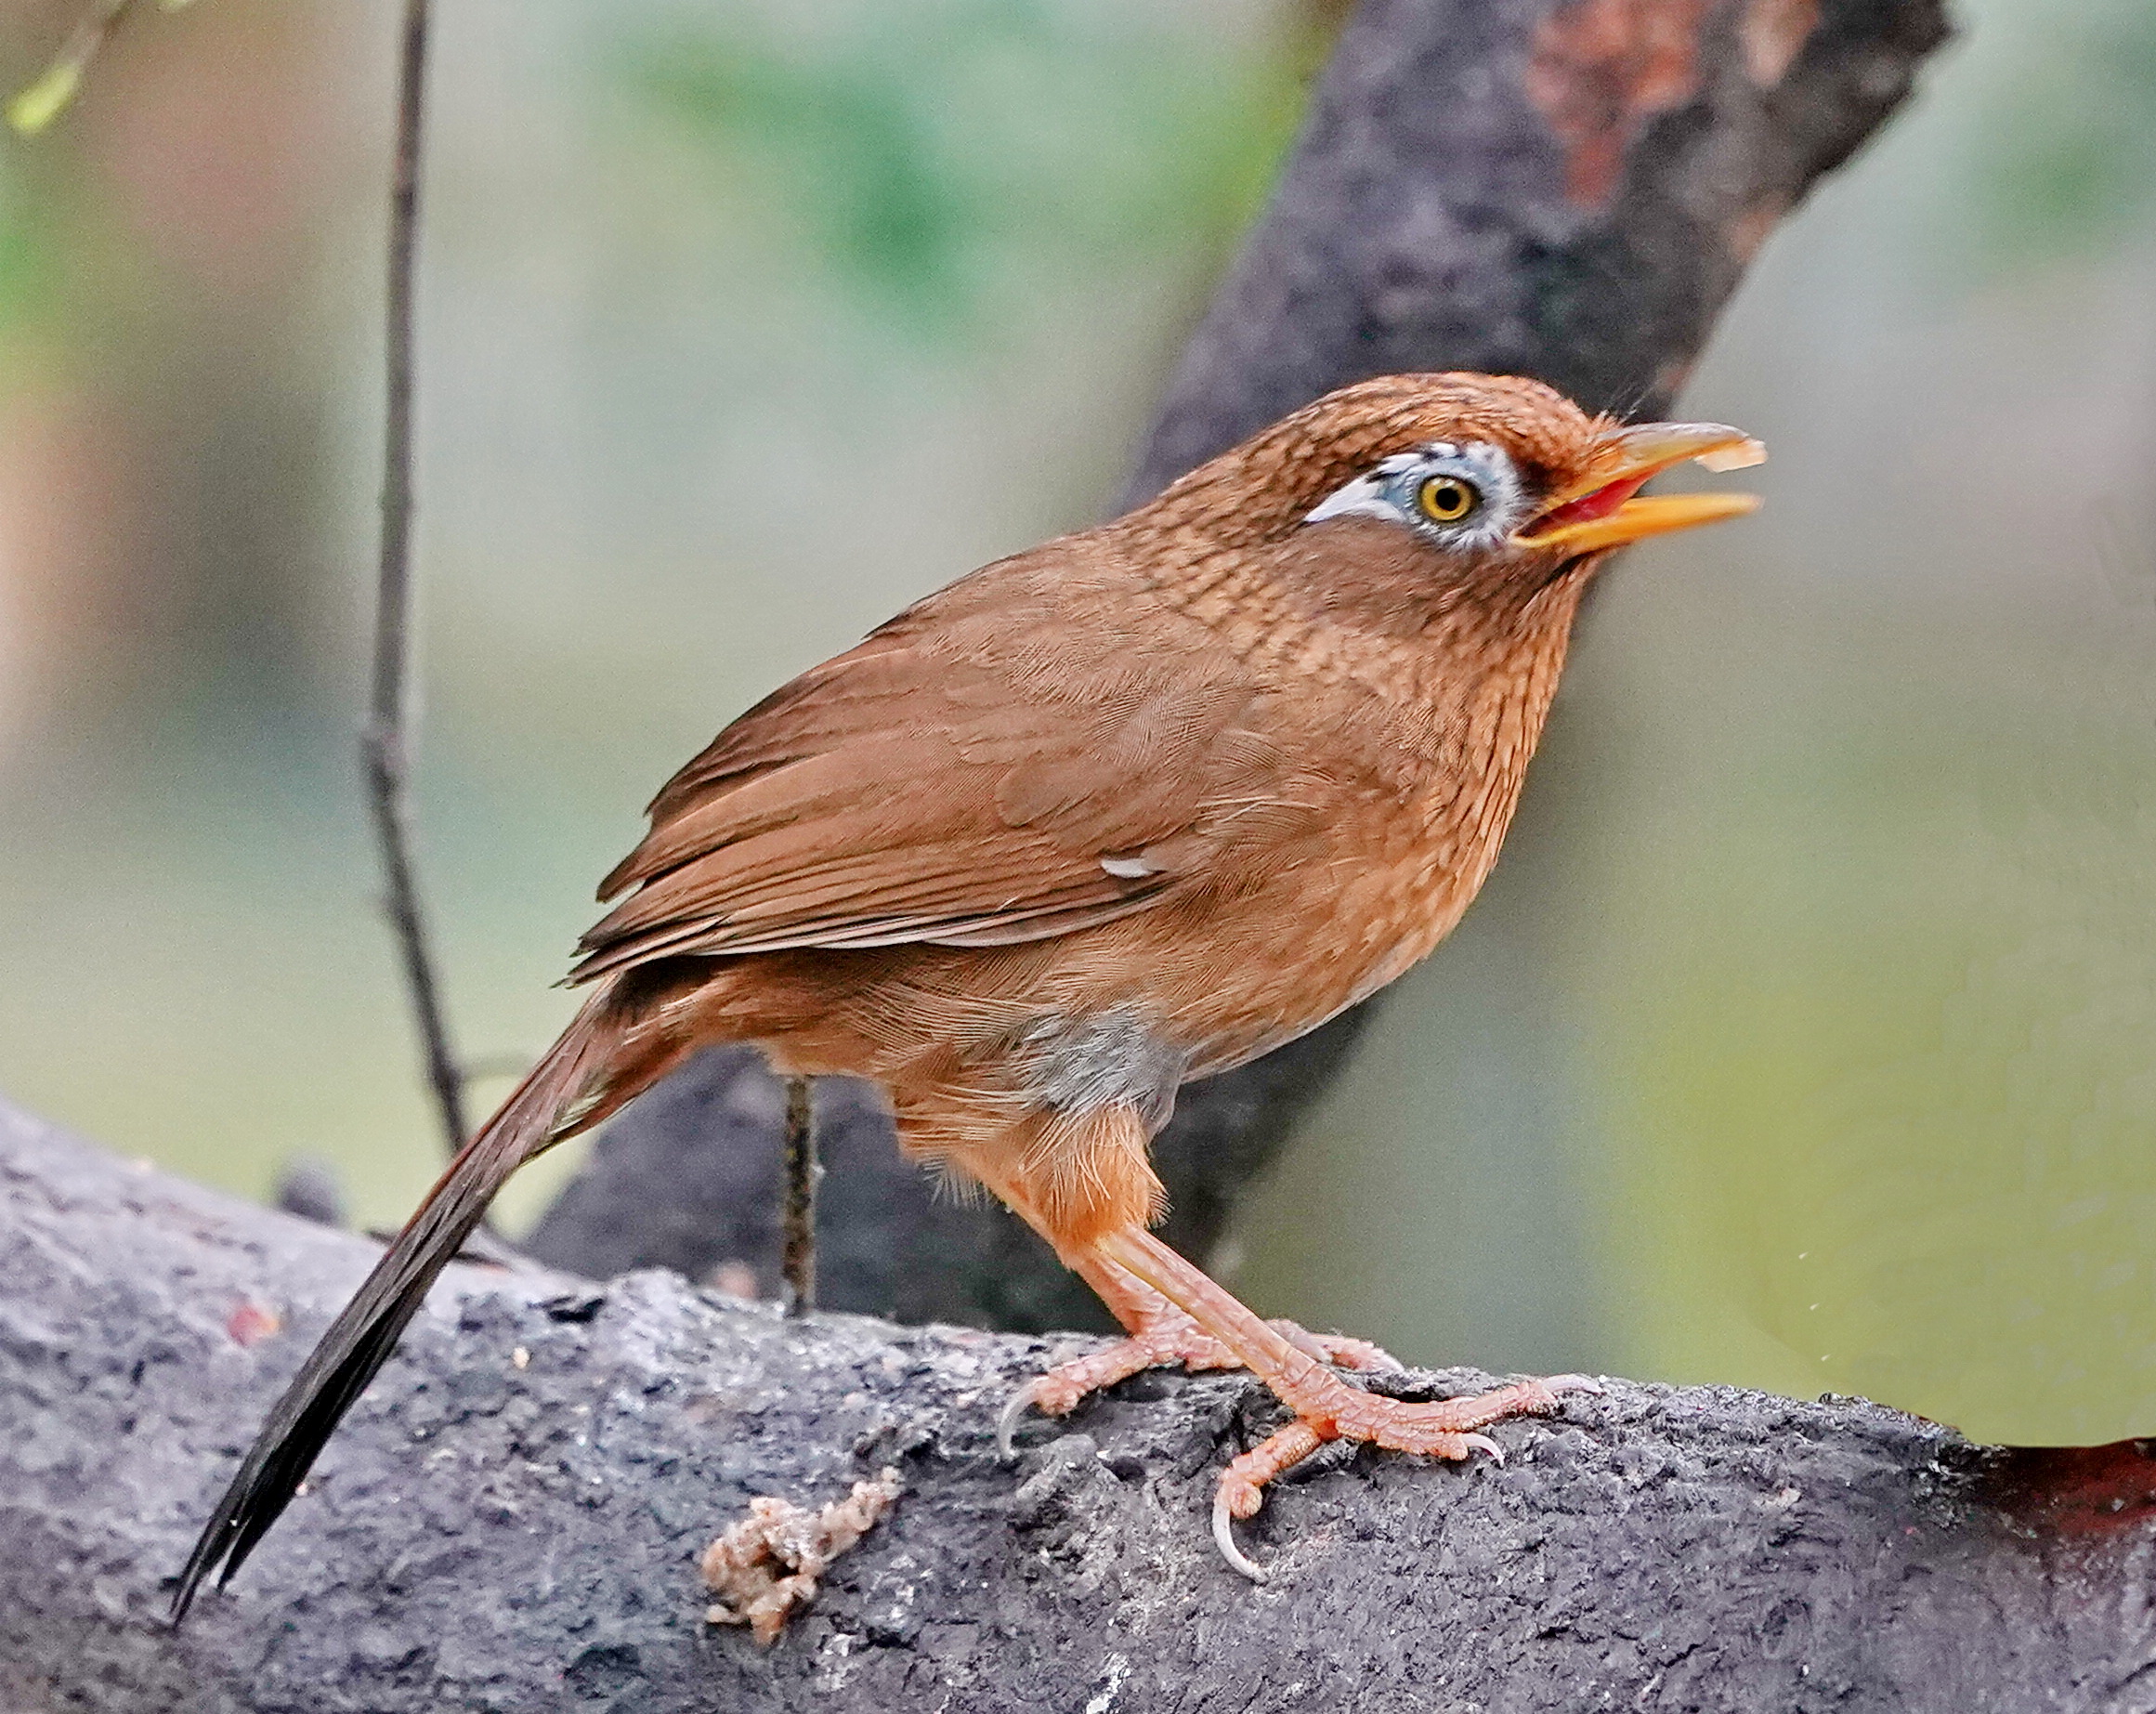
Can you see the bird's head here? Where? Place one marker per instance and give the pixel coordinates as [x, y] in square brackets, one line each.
[1469, 480]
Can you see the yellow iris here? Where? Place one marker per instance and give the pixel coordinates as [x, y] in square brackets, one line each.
[1446, 499]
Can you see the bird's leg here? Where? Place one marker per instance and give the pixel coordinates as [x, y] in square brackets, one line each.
[1325, 1407]
[1159, 1334]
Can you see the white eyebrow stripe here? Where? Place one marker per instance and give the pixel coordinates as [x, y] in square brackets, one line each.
[1364, 497]
[1490, 466]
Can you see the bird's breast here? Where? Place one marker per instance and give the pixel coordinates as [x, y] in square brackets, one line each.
[1299, 935]
[1325, 945]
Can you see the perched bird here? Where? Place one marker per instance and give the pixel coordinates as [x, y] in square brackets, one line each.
[1125, 810]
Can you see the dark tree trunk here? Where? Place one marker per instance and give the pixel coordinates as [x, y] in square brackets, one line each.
[1564, 190]
[492, 1532]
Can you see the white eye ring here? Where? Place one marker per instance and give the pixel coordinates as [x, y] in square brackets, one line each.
[1399, 490]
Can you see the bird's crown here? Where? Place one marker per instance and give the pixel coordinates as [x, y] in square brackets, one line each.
[1270, 484]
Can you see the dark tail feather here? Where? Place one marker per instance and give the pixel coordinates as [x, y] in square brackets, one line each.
[562, 1095]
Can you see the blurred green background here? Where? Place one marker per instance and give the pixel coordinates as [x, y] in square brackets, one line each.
[1806, 1037]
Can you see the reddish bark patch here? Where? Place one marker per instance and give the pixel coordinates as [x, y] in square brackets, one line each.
[1600, 69]
[2076, 1490]
[1773, 33]
[1753, 226]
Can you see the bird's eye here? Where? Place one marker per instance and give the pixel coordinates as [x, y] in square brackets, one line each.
[1446, 499]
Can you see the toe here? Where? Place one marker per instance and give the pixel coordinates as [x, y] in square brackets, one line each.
[1375, 1360]
[1340, 1351]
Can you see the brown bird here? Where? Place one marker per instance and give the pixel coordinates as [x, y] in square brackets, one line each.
[1128, 809]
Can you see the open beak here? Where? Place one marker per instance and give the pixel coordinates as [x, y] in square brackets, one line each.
[1606, 510]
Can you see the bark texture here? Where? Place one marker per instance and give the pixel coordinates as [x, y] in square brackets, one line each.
[1567, 190]
[511, 1518]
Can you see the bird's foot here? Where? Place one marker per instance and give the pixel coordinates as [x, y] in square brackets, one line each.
[1162, 1339]
[1327, 1408]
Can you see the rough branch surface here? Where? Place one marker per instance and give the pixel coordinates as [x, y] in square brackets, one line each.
[486, 1535]
[1566, 189]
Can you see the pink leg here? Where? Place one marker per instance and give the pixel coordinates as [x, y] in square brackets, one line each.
[1160, 1334]
[1326, 1408]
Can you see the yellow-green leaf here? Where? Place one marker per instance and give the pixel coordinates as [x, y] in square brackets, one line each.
[45, 100]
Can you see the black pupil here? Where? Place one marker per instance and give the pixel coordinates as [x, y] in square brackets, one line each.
[1448, 498]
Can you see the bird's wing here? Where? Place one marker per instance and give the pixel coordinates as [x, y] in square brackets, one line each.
[982, 770]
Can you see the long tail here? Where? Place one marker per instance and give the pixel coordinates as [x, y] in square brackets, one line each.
[598, 1064]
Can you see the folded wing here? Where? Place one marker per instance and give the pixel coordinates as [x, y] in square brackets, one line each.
[942, 785]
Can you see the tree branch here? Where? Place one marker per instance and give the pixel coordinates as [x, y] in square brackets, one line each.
[511, 1519]
[797, 1204]
[385, 745]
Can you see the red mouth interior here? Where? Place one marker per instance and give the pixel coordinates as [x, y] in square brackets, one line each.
[1599, 503]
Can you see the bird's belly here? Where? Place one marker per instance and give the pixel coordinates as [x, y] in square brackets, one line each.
[1256, 1036]
[1318, 952]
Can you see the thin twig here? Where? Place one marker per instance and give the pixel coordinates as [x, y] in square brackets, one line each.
[797, 1241]
[384, 746]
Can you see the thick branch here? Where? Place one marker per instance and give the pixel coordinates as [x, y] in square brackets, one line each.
[507, 1532]
[1567, 191]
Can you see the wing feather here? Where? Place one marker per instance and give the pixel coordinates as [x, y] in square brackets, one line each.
[940, 784]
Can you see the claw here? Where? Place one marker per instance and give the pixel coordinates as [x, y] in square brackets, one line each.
[1482, 1443]
[1575, 1383]
[1225, 1540]
[1013, 1413]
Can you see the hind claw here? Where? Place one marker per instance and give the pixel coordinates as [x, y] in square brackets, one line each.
[1333, 1410]
[1011, 1415]
[1224, 1539]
